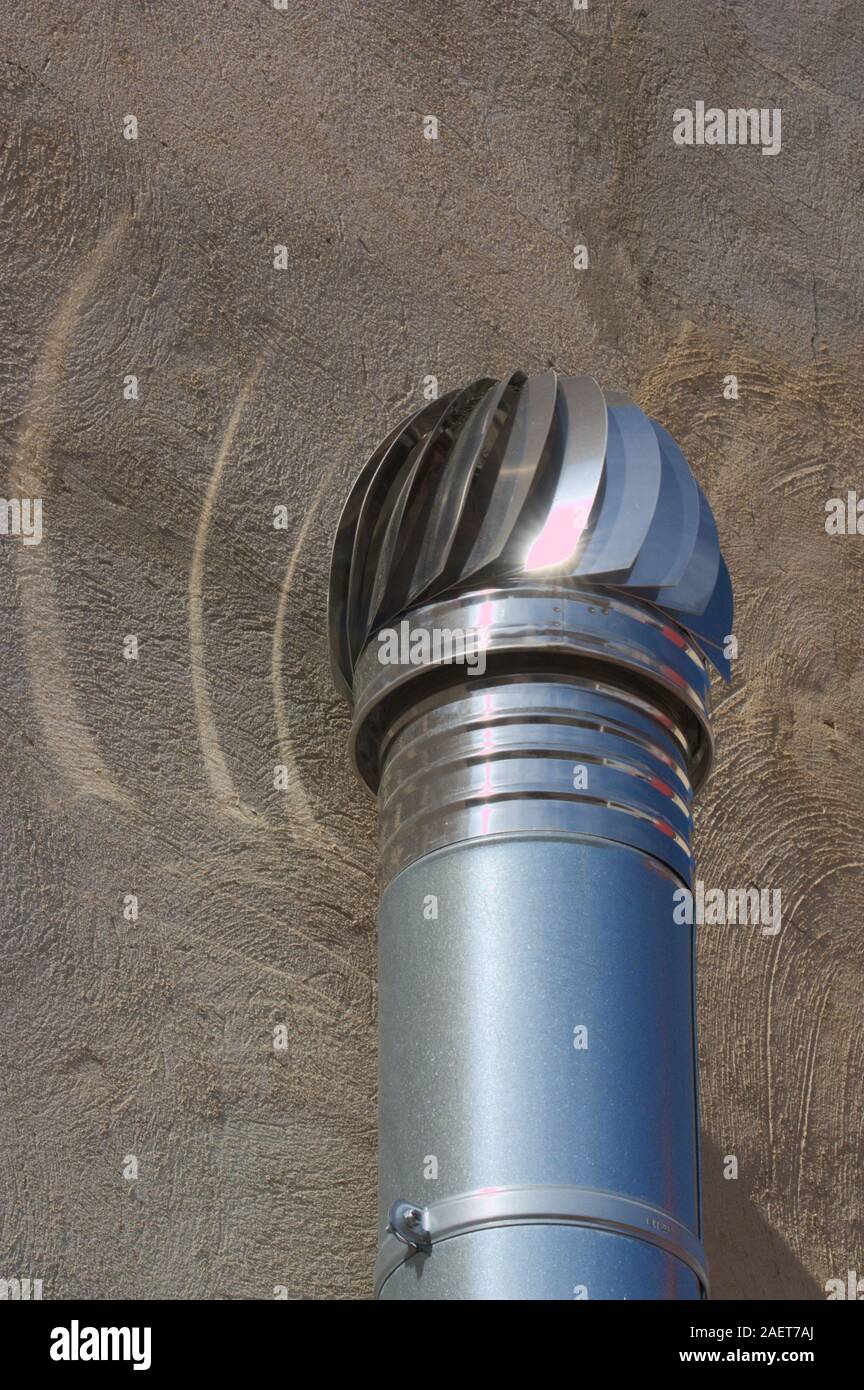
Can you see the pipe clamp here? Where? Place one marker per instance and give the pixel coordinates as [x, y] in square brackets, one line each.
[535, 1205]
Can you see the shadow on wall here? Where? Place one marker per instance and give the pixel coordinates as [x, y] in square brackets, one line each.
[746, 1257]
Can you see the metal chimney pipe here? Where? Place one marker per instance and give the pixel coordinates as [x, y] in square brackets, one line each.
[526, 589]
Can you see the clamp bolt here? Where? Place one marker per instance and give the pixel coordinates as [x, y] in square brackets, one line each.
[406, 1221]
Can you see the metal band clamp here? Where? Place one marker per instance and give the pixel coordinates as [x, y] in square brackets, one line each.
[413, 1229]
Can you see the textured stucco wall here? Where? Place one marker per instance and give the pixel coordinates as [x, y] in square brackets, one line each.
[259, 387]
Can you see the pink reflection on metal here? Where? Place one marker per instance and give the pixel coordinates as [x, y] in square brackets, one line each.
[487, 791]
[560, 536]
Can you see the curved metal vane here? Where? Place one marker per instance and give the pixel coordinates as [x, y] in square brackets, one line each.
[541, 476]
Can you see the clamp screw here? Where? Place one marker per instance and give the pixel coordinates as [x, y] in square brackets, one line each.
[406, 1222]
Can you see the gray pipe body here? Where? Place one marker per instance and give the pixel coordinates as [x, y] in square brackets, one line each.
[538, 1078]
[482, 1086]
[536, 1003]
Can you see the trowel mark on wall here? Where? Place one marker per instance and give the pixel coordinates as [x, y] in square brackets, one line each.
[218, 776]
[303, 820]
[64, 731]
[300, 807]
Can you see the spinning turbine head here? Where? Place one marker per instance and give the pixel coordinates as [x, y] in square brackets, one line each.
[544, 478]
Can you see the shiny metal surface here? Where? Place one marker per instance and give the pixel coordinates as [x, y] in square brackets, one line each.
[542, 1263]
[390, 557]
[672, 535]
[527, 587]
[582, 429]
[544, 475]
[410, 1227]
[521, 756]
[381, 498]
[691, 595]
[631, 486]
[535, 628]
[714, 626]
[521, 476]
[533, 938]
[477, 450]
[392, 452]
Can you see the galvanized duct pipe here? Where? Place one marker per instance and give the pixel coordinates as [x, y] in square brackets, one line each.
[526, 588]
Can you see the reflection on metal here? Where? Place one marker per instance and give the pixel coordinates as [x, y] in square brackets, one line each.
[420, 1229]
[535, 790]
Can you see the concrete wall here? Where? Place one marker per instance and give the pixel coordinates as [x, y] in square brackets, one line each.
[406, 257]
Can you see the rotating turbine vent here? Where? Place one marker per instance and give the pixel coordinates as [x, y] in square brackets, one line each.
[539, 805]
[502, 481]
